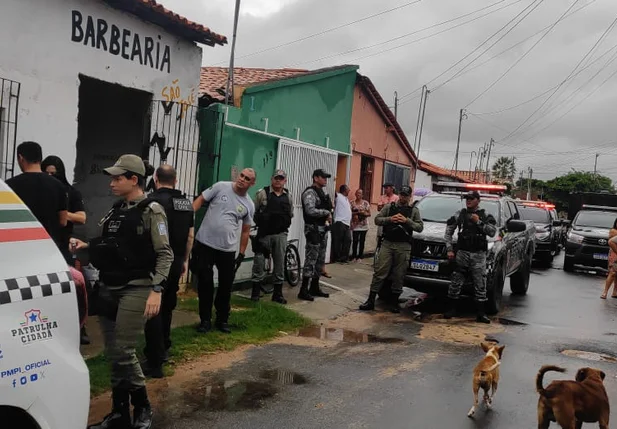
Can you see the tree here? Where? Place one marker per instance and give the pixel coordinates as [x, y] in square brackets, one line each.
[560, 188]
[504, 168]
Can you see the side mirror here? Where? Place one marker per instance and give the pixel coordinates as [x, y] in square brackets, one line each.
[516, 226]
[557, 223]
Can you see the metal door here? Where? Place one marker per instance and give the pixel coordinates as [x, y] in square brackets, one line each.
[299, 161]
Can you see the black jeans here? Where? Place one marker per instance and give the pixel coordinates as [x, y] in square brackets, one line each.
[341, 242]
[358, 244]
[158, 329]
[207, 258]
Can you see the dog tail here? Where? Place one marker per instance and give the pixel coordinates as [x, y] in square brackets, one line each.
[540, 377]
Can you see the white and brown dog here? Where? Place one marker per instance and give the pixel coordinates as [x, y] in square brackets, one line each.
[486, 375]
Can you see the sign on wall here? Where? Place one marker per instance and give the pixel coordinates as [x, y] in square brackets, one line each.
[99, 34]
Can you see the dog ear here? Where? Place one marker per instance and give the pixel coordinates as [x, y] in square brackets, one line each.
[485, 347]
[602, 374]
[500, 351]
[581, 374]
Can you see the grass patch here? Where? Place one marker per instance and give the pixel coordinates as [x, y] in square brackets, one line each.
[256, 323]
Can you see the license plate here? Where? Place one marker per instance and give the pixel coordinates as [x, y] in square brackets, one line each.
[425, 265]
[603, 256]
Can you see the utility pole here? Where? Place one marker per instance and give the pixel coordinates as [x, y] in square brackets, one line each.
[419, 127]
[488, 159]
[595, 165]
[396, 105]
[473, 152]
[530, 171]
[462, 116]
[229, 91]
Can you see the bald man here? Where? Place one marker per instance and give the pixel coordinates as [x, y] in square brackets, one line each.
[229, 210]
[179, 211]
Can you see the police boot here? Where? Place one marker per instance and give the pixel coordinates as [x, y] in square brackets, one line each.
[277, 295]
[267, 290]
[452, 309]
[394, 305]
[120, 416]
[142, 411]
[304, 292]
[256, 293]
[481, 315]
[370, 302]
[316, 290]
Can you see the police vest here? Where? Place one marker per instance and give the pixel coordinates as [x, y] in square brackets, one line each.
[471, 237]
[398, 232]
[275, 217]
[124, 252]
[179, 211]
[323, 203]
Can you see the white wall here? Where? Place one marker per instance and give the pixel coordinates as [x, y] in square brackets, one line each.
[423, 180]
[38, 51]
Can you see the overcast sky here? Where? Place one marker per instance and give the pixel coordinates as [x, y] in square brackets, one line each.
[573, 125]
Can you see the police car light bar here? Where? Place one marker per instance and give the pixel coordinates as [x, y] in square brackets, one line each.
[474, 186]
[539, 204]
[594, 207]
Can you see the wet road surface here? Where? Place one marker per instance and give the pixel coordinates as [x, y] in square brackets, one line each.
[395, 374]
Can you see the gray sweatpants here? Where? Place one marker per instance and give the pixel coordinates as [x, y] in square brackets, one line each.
[472, 264]
[275, 244]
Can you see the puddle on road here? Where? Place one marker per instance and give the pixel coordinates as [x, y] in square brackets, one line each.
[593, 356]
[281, 376]
[510, 322]
[345, 336]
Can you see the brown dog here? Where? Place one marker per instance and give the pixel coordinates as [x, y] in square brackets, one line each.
[486, 376]
[572, 403]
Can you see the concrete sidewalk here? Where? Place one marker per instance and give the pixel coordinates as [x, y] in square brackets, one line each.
[348, 288]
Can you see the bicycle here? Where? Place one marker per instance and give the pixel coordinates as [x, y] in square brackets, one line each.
[293, 267]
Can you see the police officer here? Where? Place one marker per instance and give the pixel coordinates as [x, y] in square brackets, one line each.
[179, 211]
[474, 225]
[133, 256]
[274, 210]
[399, 220]
[317, 212]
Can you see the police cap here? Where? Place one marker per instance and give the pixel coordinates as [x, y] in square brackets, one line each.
[127, 163]
[472, 195]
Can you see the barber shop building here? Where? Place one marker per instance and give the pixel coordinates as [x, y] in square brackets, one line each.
[93, 79]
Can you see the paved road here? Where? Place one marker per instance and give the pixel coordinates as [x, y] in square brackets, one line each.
[402, 381]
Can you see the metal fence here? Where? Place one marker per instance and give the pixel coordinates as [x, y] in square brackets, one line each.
[174, 139]
[9, 106]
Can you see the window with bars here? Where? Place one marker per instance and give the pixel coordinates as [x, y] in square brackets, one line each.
[9, 104]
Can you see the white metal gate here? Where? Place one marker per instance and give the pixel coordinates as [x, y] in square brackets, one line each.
[299, 161]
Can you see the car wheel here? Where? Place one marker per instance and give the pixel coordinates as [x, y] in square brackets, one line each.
[519, 281]
[568, 265]
[494, 293]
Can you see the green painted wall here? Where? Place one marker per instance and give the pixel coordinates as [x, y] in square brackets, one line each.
[319, 104]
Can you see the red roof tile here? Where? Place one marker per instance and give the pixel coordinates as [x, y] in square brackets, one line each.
[386, 113]
[214, 79]
[151, 11]
[433, 169]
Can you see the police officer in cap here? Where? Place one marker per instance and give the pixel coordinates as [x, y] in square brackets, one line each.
[474, 225]
[133, 256]
[399, 220]
[179, 211]
[317, 212]
[274, 210]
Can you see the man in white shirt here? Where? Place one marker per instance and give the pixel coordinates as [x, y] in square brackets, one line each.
[341, 233]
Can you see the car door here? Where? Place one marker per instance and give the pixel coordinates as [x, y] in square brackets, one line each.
[513, 241]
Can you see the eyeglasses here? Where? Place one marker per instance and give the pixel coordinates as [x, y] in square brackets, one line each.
[470, 198]
[279, 177]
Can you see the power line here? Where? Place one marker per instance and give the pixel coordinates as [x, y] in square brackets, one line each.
[562, 82]
[509, 69]
[329, 30]
[362, 48]
[502, 52]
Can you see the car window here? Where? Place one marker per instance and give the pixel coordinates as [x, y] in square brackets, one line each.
[593, 219]
[535, 214]
[441, 208]
[515, 213]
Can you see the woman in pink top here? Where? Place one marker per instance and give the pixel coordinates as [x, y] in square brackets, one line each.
[612, 263]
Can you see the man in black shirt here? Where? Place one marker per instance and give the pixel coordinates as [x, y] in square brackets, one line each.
[44, 195]
[179, 212]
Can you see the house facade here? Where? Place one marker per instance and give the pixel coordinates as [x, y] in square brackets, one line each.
[381, 152]
[295, 120]
[92, 79]
[429, 174]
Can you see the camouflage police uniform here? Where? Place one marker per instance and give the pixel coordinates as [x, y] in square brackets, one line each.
[395, 250]
[316, 207]
[471, 249]
[122, 298]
